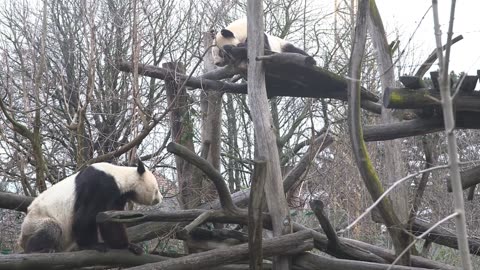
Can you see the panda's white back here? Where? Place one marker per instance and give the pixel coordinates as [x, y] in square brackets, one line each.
[56, 203]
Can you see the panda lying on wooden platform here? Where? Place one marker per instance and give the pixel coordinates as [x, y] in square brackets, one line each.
[63, 217]
[235, 34]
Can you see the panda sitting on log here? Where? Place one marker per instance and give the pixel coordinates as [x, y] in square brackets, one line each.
[63, 217]
[235, 35]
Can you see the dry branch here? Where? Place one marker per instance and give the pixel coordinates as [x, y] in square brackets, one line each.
[69, 260]
[433, 57]
[209, 170]
[317, 208]
[287, 244]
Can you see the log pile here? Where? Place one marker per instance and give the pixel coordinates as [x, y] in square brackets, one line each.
[347, 253]
[423, 104]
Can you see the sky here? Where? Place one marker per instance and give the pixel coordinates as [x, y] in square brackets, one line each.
[405, 16]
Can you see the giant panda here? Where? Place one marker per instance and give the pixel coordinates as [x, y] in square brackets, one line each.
[63, 217]
[235, 34]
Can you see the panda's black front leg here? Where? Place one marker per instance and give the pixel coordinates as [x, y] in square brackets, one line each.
[115, 237]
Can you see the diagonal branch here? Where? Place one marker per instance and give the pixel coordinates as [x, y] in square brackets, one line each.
[209, 170]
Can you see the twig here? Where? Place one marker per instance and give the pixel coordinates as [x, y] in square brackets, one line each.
[198, 221]
[420, 237]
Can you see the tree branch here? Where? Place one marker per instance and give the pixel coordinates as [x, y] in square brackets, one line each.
[209, 170]
[286, 244]
[70, 260]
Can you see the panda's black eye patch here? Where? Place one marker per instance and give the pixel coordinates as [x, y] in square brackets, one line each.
[227, 33]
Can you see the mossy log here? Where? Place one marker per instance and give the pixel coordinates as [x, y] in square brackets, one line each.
[470, 178]
[417, 127]
[404, 98]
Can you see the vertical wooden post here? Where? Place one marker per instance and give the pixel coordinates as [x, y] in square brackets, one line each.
[212, 118]
[255, 224]
[263, 124]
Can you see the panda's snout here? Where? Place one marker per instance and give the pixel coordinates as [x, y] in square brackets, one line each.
[157, 198]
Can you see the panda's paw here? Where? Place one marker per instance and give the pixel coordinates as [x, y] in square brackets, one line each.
[135, 249]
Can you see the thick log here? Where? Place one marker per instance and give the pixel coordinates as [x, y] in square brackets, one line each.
[317, 208]
[470, 178]
[310, 261]
[15, 202]
[285, 244]
[404, 98]
[416, 127]
[444, 237]
[293, 74]
[162, 73]
[70, 260]
[321, 83]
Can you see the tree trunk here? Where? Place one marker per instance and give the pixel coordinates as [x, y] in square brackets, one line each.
[211, 121]
[263, 126]
[394, 166]
[182, 133]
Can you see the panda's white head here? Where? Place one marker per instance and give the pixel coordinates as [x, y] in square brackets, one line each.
[234, 34]
[138, 181]
[146, 189]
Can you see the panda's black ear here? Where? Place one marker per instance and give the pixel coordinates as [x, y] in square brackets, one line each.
[227, 33]
[140, 167]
